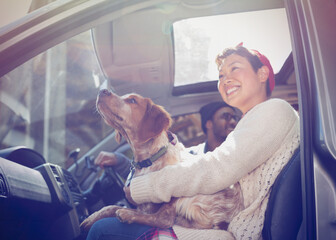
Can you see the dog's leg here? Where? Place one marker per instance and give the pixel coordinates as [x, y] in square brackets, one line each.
[108, 211]
[163, 218]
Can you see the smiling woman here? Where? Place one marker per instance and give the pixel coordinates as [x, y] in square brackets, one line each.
[271, 126]
[235, 65]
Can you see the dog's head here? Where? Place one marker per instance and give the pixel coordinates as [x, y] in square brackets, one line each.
[133, 116]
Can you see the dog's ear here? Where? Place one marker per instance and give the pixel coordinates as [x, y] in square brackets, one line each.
[118, 136]
[155, 121]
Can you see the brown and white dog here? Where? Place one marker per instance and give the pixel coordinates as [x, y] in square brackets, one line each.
[145, 127]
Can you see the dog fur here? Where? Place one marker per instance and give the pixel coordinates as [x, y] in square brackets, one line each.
[144, 125]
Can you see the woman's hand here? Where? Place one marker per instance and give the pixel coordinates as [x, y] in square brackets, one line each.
[127, 191]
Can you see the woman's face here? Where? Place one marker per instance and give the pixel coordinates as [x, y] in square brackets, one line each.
[239, 85]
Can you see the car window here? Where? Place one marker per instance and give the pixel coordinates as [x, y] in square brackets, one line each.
[48, 103]
[203, 38]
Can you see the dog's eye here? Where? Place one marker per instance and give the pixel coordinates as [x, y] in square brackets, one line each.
[131, 100]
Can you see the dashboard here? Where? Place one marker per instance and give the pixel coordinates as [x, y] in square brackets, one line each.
[45, 201]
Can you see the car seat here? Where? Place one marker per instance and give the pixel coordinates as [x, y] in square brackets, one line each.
[283, 215]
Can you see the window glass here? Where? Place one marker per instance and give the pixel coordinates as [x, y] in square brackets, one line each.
[197, 41]
[48, 103]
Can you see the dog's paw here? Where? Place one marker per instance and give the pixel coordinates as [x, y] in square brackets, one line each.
[88, 222]
[109, 211]
[125, 215]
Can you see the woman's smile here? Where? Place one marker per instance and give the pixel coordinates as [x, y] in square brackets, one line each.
[239, 85]
[231, 90]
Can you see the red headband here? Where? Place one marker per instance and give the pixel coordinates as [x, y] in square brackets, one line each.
[264, 60]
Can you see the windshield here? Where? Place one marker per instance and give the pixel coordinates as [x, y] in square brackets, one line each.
[48, 103]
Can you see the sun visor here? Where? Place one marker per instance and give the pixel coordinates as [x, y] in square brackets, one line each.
[133, 39]
[134, 53]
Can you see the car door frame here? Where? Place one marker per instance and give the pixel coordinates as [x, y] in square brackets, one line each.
[308, 20]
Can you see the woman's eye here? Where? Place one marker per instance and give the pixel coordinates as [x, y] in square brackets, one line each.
[234, 68]
[221, 77]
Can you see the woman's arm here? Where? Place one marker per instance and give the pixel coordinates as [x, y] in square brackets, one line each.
[256, 138]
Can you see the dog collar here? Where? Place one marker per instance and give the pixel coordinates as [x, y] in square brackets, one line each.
[149, 161]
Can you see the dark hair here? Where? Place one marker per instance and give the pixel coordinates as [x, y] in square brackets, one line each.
[243, 52]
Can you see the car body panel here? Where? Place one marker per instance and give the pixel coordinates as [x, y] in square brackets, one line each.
[314, 56]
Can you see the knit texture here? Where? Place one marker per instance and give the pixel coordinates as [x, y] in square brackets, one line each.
[253, 154]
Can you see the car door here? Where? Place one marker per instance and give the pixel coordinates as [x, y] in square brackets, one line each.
[313, 35]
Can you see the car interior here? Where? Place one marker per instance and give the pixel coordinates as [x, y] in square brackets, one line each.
[61, 54]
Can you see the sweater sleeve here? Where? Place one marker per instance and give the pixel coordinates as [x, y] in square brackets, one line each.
[257, 136]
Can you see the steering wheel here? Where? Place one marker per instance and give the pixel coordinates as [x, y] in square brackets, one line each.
[108, 187]
[109, 171]
[115, 176]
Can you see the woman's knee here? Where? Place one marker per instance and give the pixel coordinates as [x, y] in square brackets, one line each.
[99, 229]
[112, 228]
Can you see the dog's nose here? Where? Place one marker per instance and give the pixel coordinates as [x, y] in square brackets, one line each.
[104, 92]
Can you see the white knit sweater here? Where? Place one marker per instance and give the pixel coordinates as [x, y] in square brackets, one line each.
[253, 154]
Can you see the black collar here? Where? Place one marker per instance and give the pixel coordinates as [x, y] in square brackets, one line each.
[149, 161]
